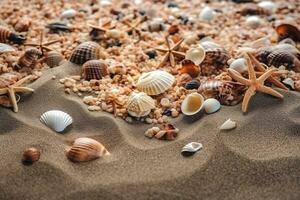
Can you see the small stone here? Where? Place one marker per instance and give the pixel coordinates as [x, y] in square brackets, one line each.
[94, 108]
[128, 119]
[155, 129]
[67, 90]
[174, 113]
[149, 133]
[149, 120]
[53, 77]
[160, 134]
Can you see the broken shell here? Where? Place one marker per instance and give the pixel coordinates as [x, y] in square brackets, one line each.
[207, 14]
[193, 84]
[253, 21]
[288, 31]
[267, 6]
[84, 52]
[240, 65]
[155, 82]
[85, 149]
[5, 48]
[56, 120]
[30, 156]
[290, 82]
[68, 13]
[192, 104]
[54, 58]
[94, 69]
[191, 148]
[211, 105]
[140, 104]
[196, 54]
[228, 125]
[187, 66]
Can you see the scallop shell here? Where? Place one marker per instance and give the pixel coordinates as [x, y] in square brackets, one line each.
[211, 105]
[84, 52]
[240, 65]
[54, 58]
[193, 84]
[155, 82]
[228, 125]
[68, 13]
[192, 104]
[191, 148]
[5, 48]
[56, 120]
[196, 54]
[207, 14]
[94, 69]
[188, 66]
[30, 156]
[140, 104]
[85, 149]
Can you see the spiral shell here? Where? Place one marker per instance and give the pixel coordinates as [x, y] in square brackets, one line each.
[94, 69]
[54, 58]
[30, 156]
[29, 58]
[8, 36]
[84, 52]
[85, 149]
[140, 104]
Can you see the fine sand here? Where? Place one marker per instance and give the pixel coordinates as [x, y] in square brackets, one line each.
[260, 159]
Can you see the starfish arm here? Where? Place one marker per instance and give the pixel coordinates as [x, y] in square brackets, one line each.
[238, 77]
[164, 60]
[97, 27]
[13, 100]
[179, 54]
[3, 91]
[127, 23]
[251, 71]
[52, 42]
[47, 48]
[269, 91]
[278, 83]
[177, 45]
[172, 60]
[161, 50]
[249, 93]
[23, 89]
[266, 75]
[168, 42]
[256, 63]
[23, 80]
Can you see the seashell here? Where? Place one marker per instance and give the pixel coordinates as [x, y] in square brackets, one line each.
[4, 48]
[240, 65]
[288, 41]
[28, 59]
[94, 69]
[8, 36]
[56, 120]
[288, 31]
[191, 148]
[156, 25]
[167, 132]
[253, 21]
[228, 125]
[57, 27]
[268, 6]
[196, 54]
[252, 9]
[193, 84]
[5, 101]
[290, 82]
[279, 58]
[30, 156]
[84, 52]
[210, 85]
[187, 66]
[207, 14]
[211, 105]
[54, 58]
[140, 104]
[155, 82]
[68, 13]
[85, 149]
[192, 104]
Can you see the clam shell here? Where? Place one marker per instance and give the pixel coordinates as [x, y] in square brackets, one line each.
[56, 120]
[5, 48]
[192, 104]
[54, 58]
[192, 147]
[288, 31]
[94, 69]
[30, 156]
[211, 105]
[228, 125]
[84, 52]
[207, 14]
[140, 104]
[155, 82]
[196, 54]
[68, 13]
[85, 149]
[193, 84]
[239, 65]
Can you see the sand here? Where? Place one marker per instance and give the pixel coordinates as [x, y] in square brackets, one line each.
[257, 160]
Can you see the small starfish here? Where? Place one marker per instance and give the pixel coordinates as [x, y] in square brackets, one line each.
[254, 84]
[102, 27]
[43, 46]
[171, 52]
[133, 27]
[12, 89]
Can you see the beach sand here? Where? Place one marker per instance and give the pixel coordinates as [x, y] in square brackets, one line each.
[260, 159]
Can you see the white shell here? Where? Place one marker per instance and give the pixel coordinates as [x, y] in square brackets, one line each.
[105, 2]
[68, 13]
[192, 104]
[192, 147]
[228, 125]
[253, 21]
[56, 120]
[239, 65]
[196, 54]
[140, 104]
[268, 6]
[290, 82]
[5, 48]
[207, 14]
[211, 105]
[155, 82]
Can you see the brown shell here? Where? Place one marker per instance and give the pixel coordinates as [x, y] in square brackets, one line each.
[4, 34]
[84, 52]
[252, 9]
[31, 155]
[279, 58]
[53, 58]
[288, 31]
[29, 58]
[187, 66]
[94, 69]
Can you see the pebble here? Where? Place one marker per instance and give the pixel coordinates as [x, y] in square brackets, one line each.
[174, 113]
[149, 120]
[94, 108]
[128, 119]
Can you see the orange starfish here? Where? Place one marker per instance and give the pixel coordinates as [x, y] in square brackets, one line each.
[103, 27]
[254, 84]
[133, 27]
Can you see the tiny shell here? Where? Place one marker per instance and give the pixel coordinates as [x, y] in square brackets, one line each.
[193, 84]
[94, 69]
[253, 21]
[196, 54]
[288, 31]
[189, 67]
[155, 82]
[85, 149]
[240, 65]
[211, 105]
[191, 148]
[140, 104]
[207, 14]
[5, 48]
[84, 52]
[54, 58]
[30, 156]
[68, 13]
[192, 104]
[56, 120]
[268, 6]
[228, 125]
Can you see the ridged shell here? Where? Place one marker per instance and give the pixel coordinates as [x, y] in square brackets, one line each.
[288, 31]
[192, 104]
[94, 69]
[193, 84]
[84, 52]
[279, 58]
[197, 54]
[54, 58]
[56, 120]
[4, 48]
[85, 149]
[211, 105]
[228, 125]
[192, 147]
[140, 104]
[189, 67]
[8, 36]
[214, 54]
[29, 58]
[210, 85]
[155, 82]
[30, 156]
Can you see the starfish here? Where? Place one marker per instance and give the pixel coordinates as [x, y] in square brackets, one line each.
[133, 27]
[254, 84]
[102, 27]
[12, 89]
[171, 52]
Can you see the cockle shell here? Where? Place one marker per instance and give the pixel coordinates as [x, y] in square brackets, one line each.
[84, 52]
[253, 21]
[85, 149]
[56, 120]
[140, 104]
[196, 54]
[240, 65]
[68, 13]
[211, 105]
[207, 14]
[155, 82]
[191, 148]
[279, 58]
[94, 69]
[228, 125]
[189, 67]
[30, 156]
[53, 58]
[268, 6]
[5, 48]
[192, 104]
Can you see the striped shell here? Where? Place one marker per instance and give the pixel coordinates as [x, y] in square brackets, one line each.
[8, 36]
[30, 155]
[155, 82]
[84, 52]
[94, 69]
[56, 120]
[53, 58]
[212, 85]
[85, 149]
[140, 104]
[29, 58]
[279, 58]
[193, 84]
[288, 31]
